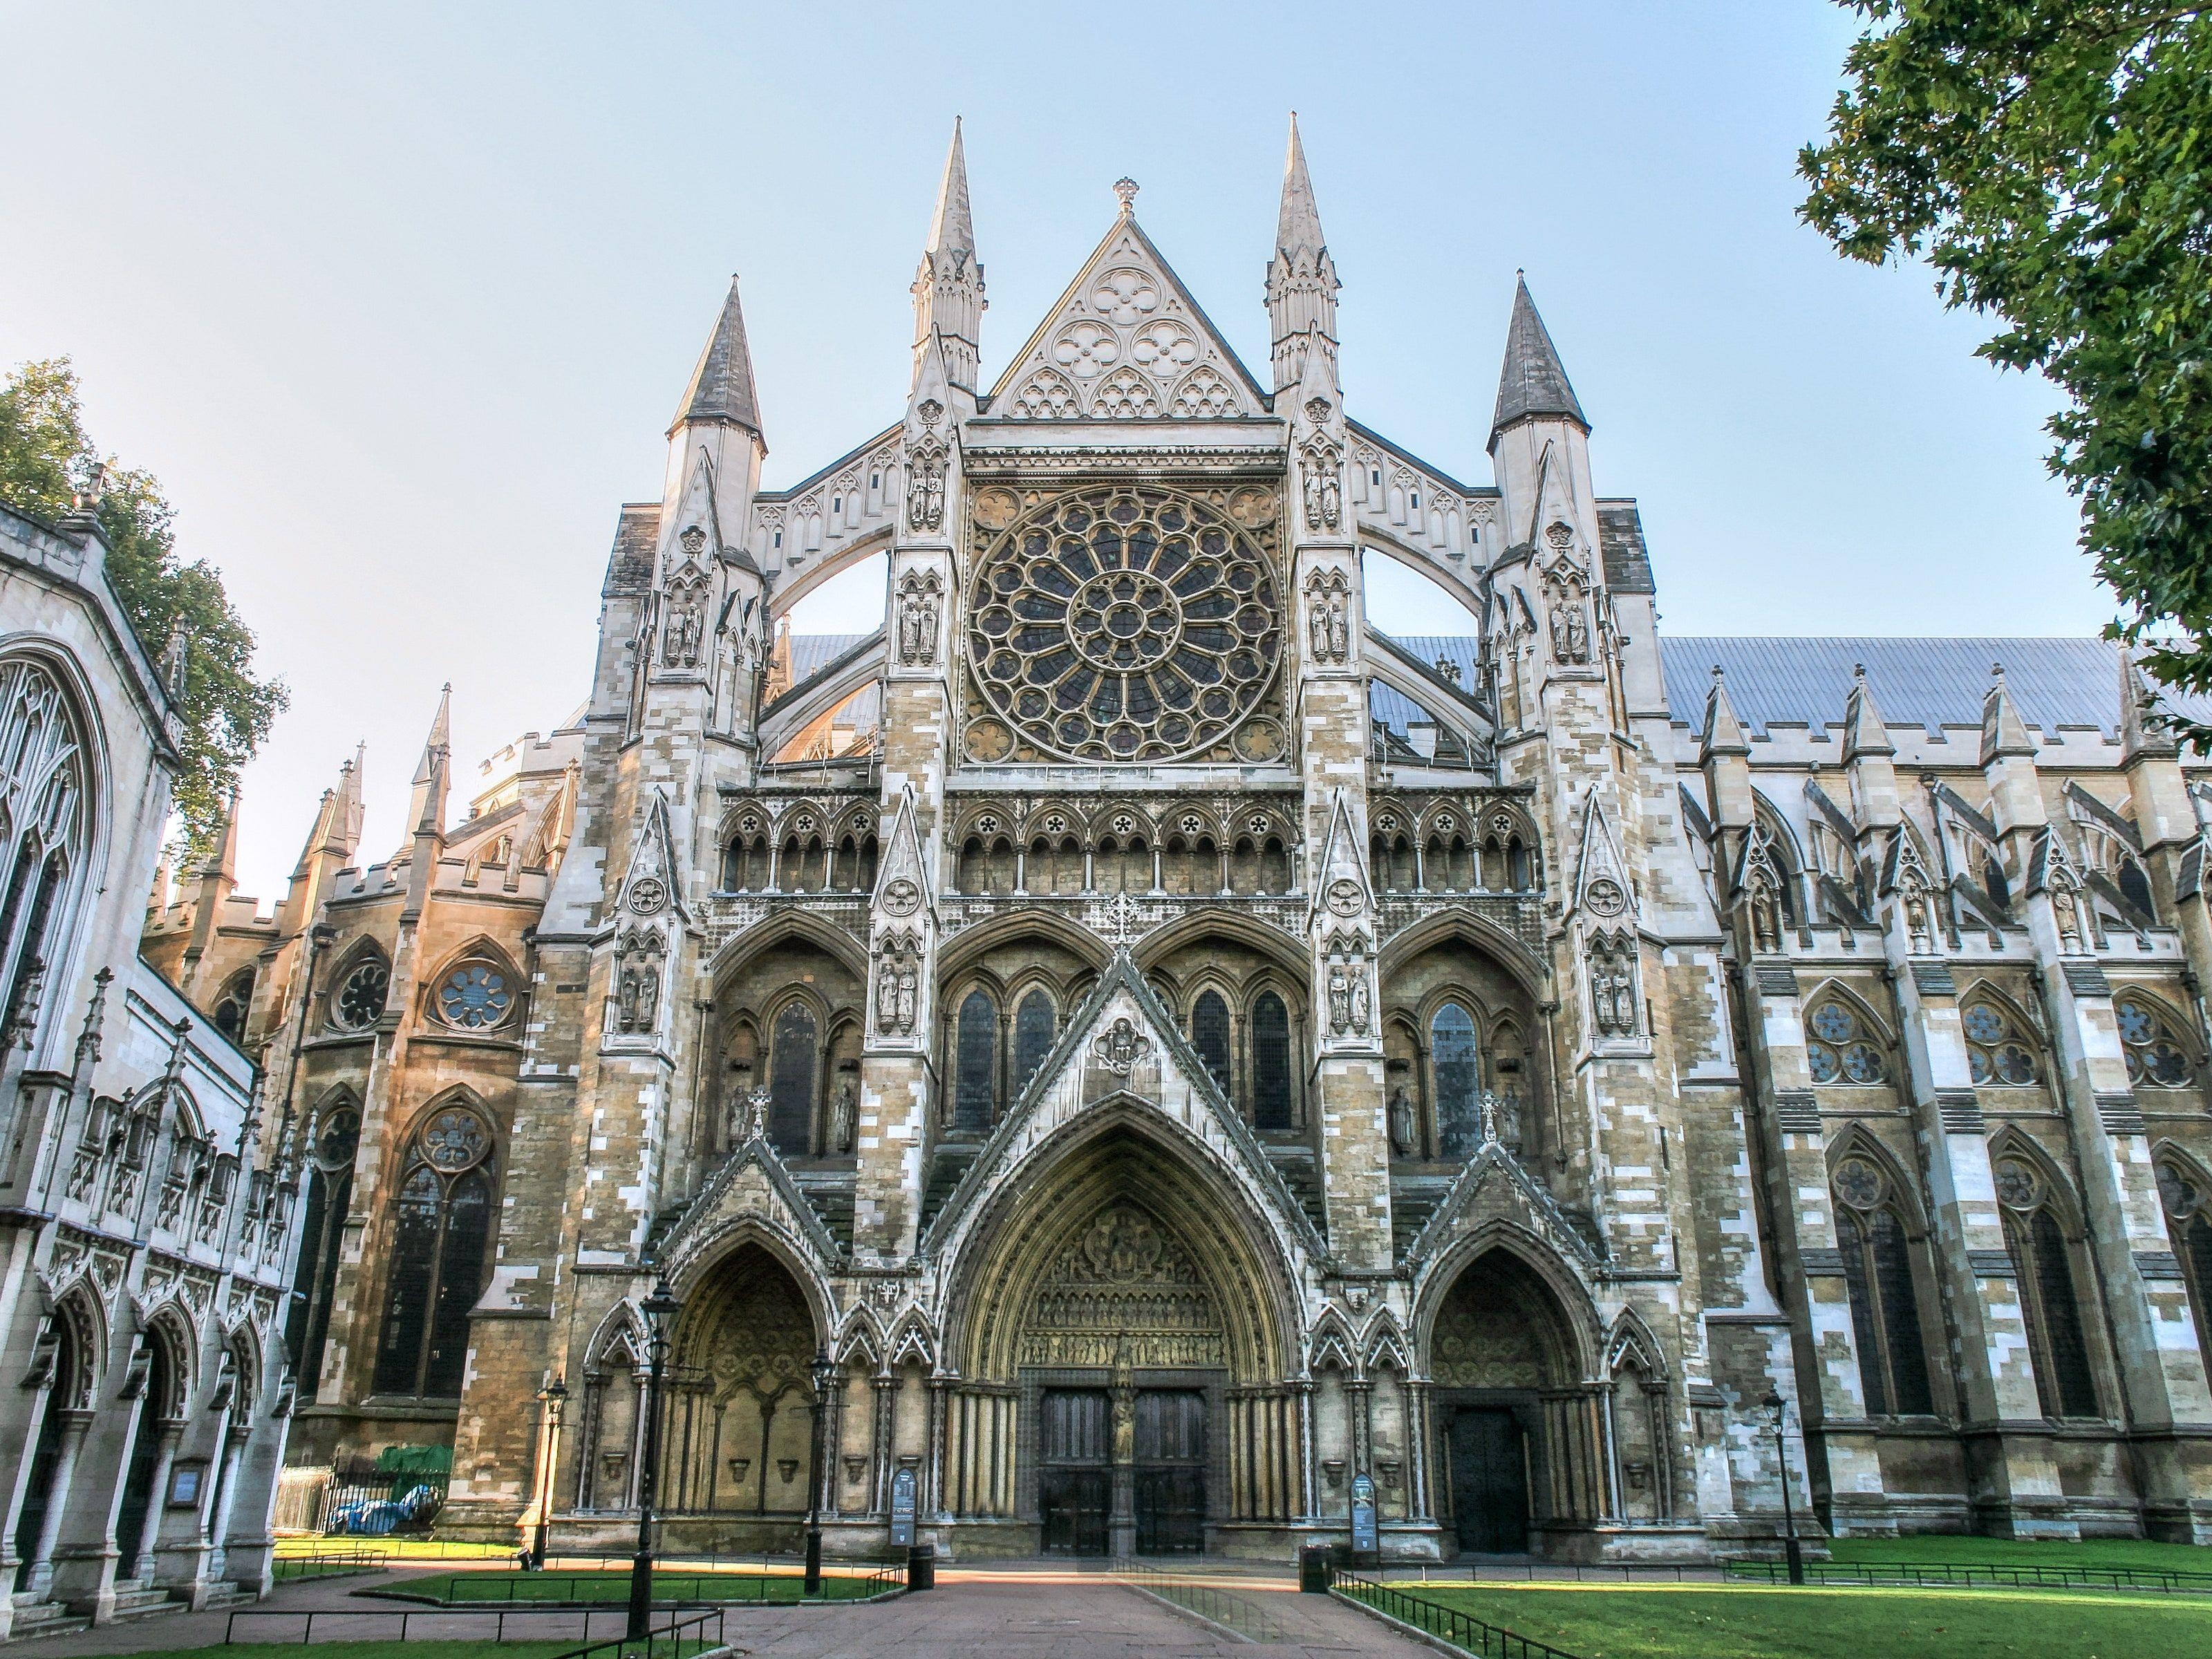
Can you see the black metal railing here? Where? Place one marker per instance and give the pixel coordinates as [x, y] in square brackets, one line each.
[328, 1564]
[1438, 1618]
[1210, 1600]
[246, 1627]
[686, 1634]
[1968, 1574]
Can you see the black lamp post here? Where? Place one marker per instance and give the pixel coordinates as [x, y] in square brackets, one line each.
[552, 1396]
[1778, 1410]
[822, 1370]
[658, 1309]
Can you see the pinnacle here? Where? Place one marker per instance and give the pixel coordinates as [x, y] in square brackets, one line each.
[1297, 225]
[953, 230]
[721, 386]
[1534, 381]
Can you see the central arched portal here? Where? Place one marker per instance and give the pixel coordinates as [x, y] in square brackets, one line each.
[1124, 1389]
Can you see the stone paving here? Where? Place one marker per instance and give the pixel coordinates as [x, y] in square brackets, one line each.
[1033, 1615]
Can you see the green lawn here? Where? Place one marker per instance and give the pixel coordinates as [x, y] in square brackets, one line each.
[494, 1589]
[2028, 1552]
[1713, 1622]
[414, 1649]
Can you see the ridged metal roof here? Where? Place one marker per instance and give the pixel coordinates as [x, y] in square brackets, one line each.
[1931, 682]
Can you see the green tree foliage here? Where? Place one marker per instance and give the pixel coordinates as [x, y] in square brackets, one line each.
[2052, 160]
[45, 460]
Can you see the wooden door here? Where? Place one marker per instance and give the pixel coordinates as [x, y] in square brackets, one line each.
[1490, 1481]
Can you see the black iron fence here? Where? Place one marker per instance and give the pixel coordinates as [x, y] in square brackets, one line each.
[380, 1497]
[1215, 1602]
[684, 1634]
[1463, 1630]
[246, 1627]
[1968, 1574]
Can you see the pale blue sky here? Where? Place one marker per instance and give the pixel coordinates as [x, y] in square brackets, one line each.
[396, 299]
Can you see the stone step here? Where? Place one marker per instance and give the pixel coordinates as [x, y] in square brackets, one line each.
[46, 1618]
[142, 1602]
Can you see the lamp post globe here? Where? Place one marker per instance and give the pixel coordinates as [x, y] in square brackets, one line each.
[660, 1308]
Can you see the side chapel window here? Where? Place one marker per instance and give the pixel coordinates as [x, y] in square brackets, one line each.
[2037, 1244]
[2153, 1055]
[976, 1063]
[232, 1008]
[1998, 1054]
[329, 1195]
[1034, 1023]
[1455, 1061]
[1271, 1062]
[1885, 1311]
[1838, 1050]
[439, 1251]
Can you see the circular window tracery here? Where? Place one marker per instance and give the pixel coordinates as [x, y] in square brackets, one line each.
[1838, 1051]
[455, 1140]
[474, 997]
[361, 998]
[1124, 624]
[2153, 1054]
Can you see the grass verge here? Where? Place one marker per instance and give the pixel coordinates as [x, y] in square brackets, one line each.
[502, 1589]
[1599, 1621]
[2027, 1552]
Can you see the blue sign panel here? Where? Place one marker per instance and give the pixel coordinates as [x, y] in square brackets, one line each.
[1364, 1537]
[903, 1508]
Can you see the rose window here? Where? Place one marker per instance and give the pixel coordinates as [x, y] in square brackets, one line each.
[474, 997]
[361, 998]
[454, 1140]
[1124, 625]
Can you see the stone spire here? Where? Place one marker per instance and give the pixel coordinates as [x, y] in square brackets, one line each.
[948, 287]
[1533, 386]
[1302, 281]
[1723, 732]
[721, 388]
[1865, 733]
[218, 881]
[329, 849]
[1725, 755]
[2002, 732]
[1869, 758]
[426, 808]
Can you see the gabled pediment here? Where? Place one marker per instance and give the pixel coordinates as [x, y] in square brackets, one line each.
[1121, 1050]
[752, 1189]
[1492, 1188]
[1127, 341]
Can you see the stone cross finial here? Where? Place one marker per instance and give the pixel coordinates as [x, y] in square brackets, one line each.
[1125, 191]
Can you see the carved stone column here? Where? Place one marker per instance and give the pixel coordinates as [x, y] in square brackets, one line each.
[38, 1574]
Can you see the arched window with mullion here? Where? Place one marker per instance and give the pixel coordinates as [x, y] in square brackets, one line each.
[2057, 1342]
[1454, 1063]
[794, 1070]
[976, 1063]
[1885, 1305]
[314, 1280]
[2188, 1225]
[1209, 1035]
[42, 823]
[440, 1239]
[1272, 1107]
[1035, 1021]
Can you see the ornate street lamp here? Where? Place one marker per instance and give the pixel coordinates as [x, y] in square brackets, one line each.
[822, 1370]
[1778, 1410]
[551, 1397]
[659, 1309]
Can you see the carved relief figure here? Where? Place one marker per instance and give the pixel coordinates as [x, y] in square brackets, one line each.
[925, 482]
[1340, 999]
[1570, 641]
[1323, 487]
[1329, 616]
[841, 1113]
[920, 595]
[1766, 919]
[1613, 987]
[636, 983]
[1916, 927]
[898, 981]
[1401, 1122]
[2066, 911]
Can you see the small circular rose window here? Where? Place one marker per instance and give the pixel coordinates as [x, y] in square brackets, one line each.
[476, 996]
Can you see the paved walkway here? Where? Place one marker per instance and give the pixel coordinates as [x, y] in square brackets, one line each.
[1048, 1617]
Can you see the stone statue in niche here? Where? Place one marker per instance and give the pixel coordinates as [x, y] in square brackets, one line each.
[1570, 640]
[1362, 1002]
[1766, 919]
[1329, 617]
[2066, 911]
[841, 1113]
[685, 627]
[1340, 998]
[1323, 487]
[1613, 988]
[1401, 1122]
[920, 595]
[925, 481]
[899, 984]
[1918, 928]
[637, 985]
[748, 1117]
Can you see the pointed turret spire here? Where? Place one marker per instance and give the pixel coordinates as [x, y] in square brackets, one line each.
[1302, 281]
[2002, 732]
[721, 386]
[1864, 731]
[2141, 731]
[1724, 733]
[222, 857]
[953, 230]
[1298, 224]
[948, 288]
[1533, 386]
[426, 809]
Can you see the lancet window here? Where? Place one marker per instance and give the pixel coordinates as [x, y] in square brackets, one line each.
[314, 1280]
[1209, 1035]
[1035, 1020]
[232, 1008]
[1456, 1064]
[2041, 1258]
[1272, 1085]
[2188, 1203]
[439, 1247]
[42, 829]
[1884, 1306]
[795, 1071]
[976, 1063]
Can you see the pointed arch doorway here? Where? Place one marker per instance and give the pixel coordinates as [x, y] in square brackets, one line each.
[1123, 1390]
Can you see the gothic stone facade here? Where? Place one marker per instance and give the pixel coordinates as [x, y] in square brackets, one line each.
[1152, 1059]
[146, 1200]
